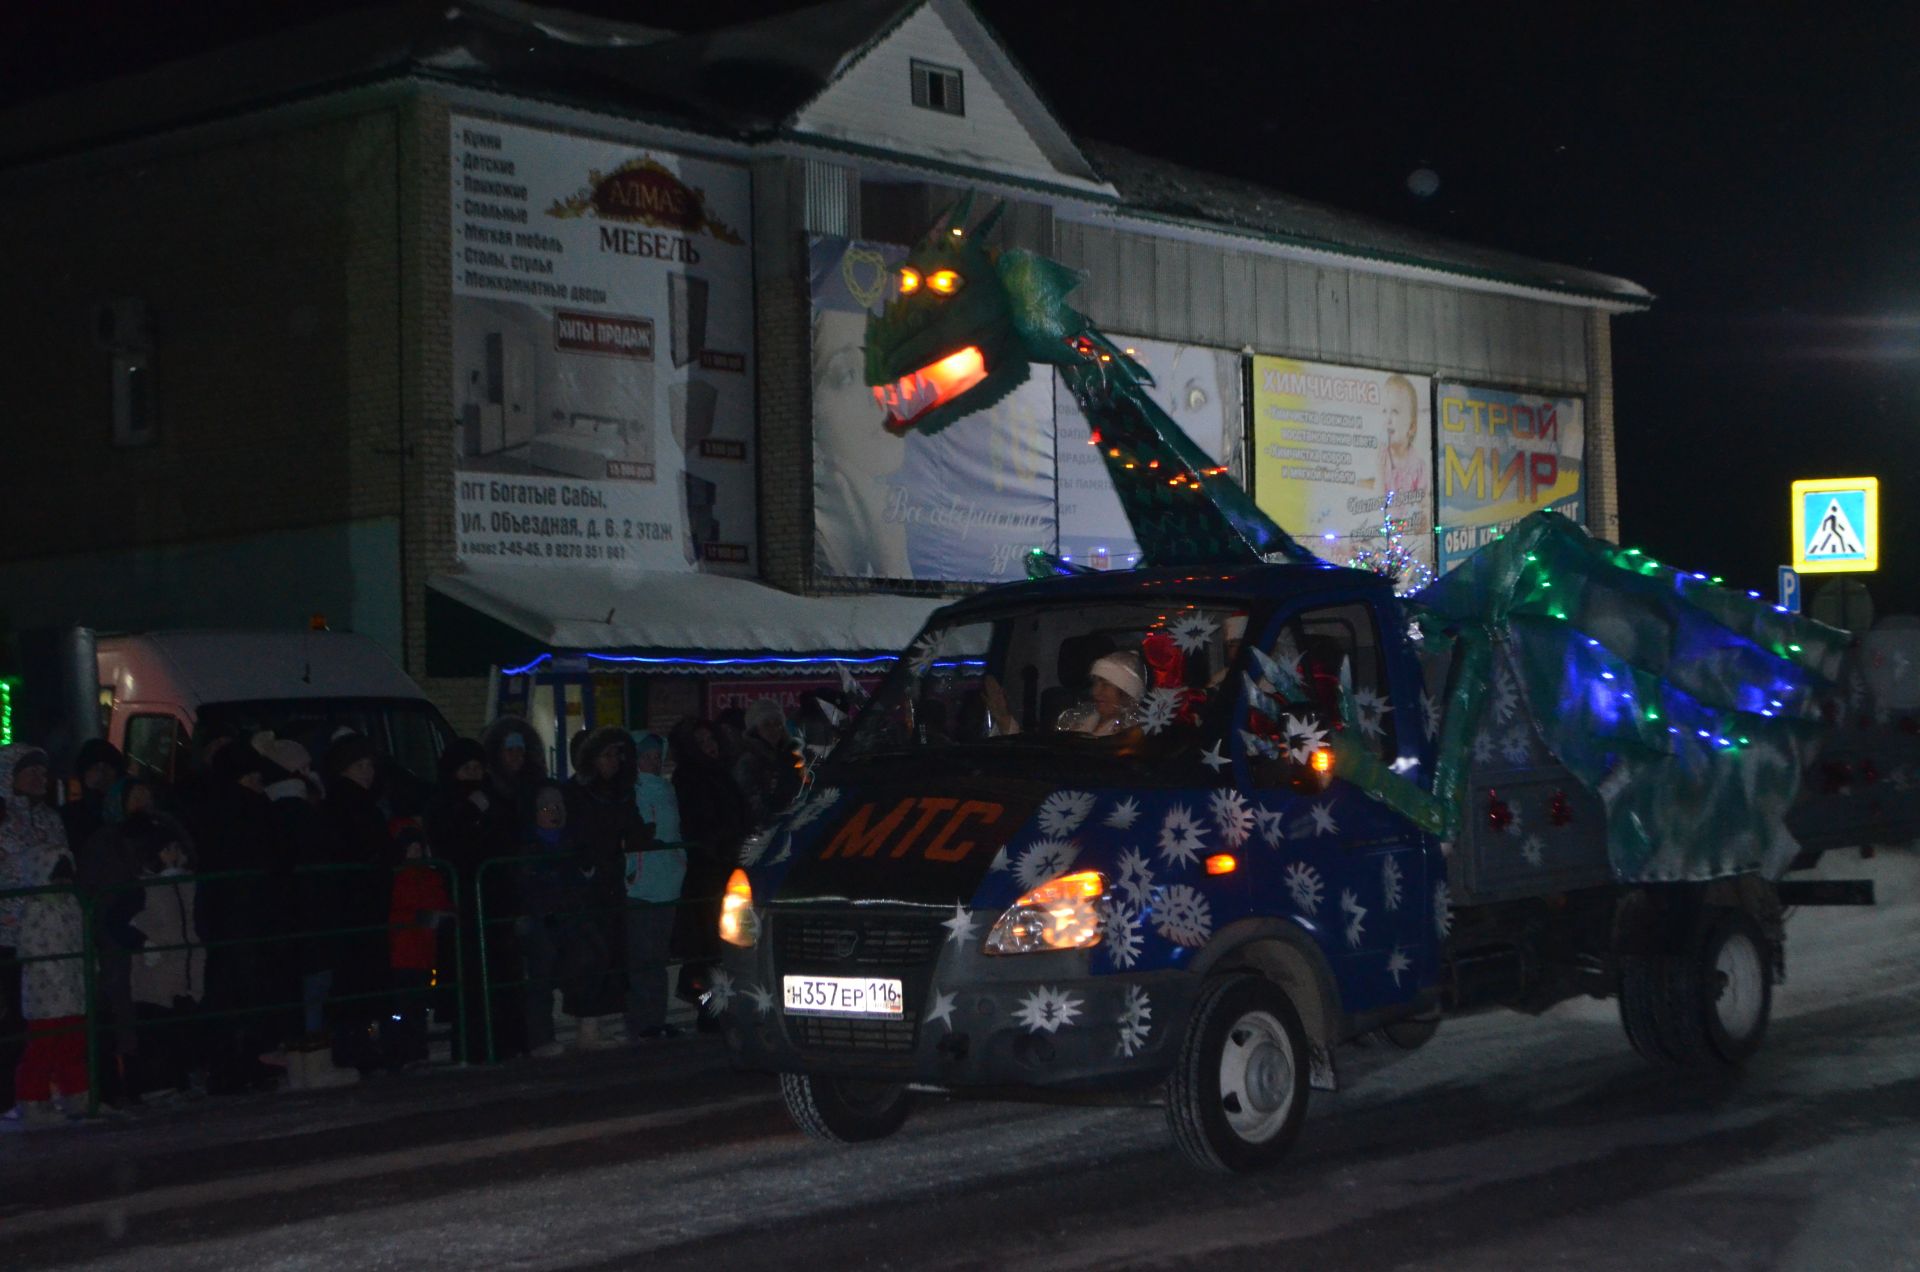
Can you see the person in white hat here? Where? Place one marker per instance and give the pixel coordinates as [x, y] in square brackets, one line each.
[1119, 680]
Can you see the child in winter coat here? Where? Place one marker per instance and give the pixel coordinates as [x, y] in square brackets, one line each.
[48, 940]
[420, 904]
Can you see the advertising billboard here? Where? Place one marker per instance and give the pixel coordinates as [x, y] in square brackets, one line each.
[602, 353]
[1198, 388]
[1331, 443]
[1501, 456]
[964, 505]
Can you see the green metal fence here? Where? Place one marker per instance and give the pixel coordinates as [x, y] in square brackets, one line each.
[278, 940]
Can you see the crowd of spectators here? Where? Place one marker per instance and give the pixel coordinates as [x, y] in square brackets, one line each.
[275, 919]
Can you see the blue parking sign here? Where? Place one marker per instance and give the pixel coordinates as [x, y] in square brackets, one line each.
[1789, 589]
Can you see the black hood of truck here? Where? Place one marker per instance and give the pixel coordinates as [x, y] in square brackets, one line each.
[923, 841]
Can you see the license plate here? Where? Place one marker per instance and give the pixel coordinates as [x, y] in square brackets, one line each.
[843, 996]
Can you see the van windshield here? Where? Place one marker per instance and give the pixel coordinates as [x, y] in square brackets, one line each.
[408, 731]
[1126, 681]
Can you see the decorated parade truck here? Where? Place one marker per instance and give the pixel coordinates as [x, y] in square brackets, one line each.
[1182, 832]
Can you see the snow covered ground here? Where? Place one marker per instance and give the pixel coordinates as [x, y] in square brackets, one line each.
[1506, 1143]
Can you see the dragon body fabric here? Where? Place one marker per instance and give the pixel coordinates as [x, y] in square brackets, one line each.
[1690, 710]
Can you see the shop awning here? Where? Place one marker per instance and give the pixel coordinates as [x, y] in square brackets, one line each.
[509, 617]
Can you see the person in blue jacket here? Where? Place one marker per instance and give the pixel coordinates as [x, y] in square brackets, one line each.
[654, 880]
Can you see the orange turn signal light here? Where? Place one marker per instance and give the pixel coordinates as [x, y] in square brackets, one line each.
[1222, 863]
[1323, 761]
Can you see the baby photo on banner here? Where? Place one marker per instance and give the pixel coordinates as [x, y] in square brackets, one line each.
[964, 505]
[1503, 455]
[1198, 388]
[1343, 457]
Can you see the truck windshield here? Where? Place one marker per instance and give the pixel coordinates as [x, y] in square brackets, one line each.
[1125, 680]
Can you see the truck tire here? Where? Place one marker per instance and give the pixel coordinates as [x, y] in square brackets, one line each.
[1719, 995]
[1643, 982]
[842, 1110]
[1238, 1091]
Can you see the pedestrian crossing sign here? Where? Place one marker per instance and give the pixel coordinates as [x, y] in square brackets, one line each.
[1836, 525]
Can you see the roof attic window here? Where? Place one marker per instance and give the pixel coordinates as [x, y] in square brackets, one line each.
[938, 88]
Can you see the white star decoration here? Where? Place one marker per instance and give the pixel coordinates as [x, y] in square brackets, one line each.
[1268, 822]
[1442, 910]
[1135, 879]
[1532, 849]
[1120, 932]
[1123, 814]
[1063, 811]
[941, 1009]
[1159, 709]
[1304, 882]
[1390, 882]
[999, 861]
[1430, 714]
[1398, 962]
[920, 657]
[762, 999]
[1303, 737]
[1372, 710]
[1323, 823]
[1191, 632]
[1135, 1020]
[1216, 758]
[961, 926]
[1183, 916]
[1181, 837]
[1356, 915]
[1231, 816]
[1045, 859]
[1046, 1009]
[719, 993]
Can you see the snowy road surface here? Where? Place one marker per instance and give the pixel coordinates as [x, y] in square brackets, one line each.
[1506, 1143]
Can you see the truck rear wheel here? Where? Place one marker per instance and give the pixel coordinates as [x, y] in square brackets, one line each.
[844, 1110]
[1238, 1091]
[1707, 1007]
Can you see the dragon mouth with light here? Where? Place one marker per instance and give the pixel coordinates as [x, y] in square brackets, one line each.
[934, 385]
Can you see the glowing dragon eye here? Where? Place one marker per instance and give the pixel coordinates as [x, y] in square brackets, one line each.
[945, 281]
[909, 282]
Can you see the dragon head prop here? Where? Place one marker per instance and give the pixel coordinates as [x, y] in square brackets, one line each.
[965, 323]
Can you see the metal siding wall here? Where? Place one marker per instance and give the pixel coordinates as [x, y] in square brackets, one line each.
[831, 202]
[1144, 284]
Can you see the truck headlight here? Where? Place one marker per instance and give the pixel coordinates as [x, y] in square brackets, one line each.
[737, 924]
[1063, 914]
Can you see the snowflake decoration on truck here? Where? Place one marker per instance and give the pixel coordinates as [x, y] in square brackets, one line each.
[1123, 814]
[1159, 709]
[1063, 811]
[1356, 916]
[1046, 1009]
[811, 811]
[1269, 820]
[1045, 859]
[920, 655]
[1135, 1021]
[1442, 910]
[1304, 882]
[1304, 737]
[1192, 631]
[1390, 882]
[1371, 710]
[1121, 932]
[1183, 916]
[1232, 816]
[1135, 878]
[1181, 837]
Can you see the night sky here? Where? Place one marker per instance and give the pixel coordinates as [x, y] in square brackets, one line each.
[1756, 167]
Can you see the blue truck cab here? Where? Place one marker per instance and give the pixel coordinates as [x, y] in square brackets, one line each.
[991, 885]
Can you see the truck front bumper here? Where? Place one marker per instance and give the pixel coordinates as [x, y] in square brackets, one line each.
[970, 1020]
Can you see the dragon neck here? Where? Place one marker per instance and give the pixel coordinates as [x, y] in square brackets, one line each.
[1184, 509]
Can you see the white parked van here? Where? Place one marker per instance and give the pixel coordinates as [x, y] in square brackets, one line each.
[158, 689]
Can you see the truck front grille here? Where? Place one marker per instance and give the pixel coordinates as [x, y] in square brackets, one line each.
[853, 940]
[823, 1034]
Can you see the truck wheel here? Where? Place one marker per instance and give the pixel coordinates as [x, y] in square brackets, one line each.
[1720, 994]
[1238, 1091]
[1643, 981]
[843, 1110]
